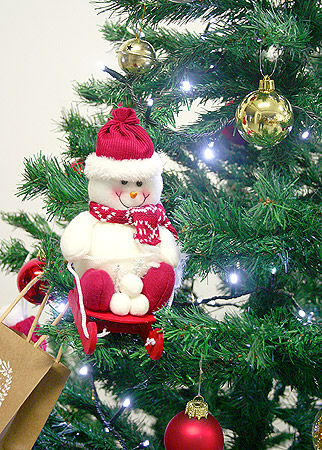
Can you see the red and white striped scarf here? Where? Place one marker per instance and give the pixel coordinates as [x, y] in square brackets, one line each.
[146, 219]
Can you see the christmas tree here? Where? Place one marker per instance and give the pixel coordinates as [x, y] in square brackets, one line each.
[242, 189]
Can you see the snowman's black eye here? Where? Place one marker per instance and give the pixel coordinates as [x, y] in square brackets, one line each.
[124, 182]
[139, 183]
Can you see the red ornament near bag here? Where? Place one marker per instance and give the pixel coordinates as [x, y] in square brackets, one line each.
[194, 429]
[24, 327]
[28, 272]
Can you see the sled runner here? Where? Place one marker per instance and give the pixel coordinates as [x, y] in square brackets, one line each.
[100, 322]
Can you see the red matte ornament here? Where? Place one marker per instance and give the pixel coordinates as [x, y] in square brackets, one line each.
[28, 272]
[24, 326]
[231, 134]
[183, 433]
[78, 166]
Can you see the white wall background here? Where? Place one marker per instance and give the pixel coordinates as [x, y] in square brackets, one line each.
[45, 47]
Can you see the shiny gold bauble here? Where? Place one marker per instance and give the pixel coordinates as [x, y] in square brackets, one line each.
[264, 118]
[317, 431]
[136, 56]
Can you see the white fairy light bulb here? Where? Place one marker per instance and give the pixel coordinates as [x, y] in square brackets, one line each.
[208, 153]
[301, 313]
[60, 307]
[83, 370]
[126, 402]
[233, 278]
[186, 86]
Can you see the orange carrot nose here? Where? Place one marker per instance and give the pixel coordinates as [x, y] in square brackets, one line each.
[133, 194]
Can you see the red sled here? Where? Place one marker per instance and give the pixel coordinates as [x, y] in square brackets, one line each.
[97, 322]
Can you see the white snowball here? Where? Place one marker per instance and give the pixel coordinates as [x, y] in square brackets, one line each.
[139, 305]
[120, 304]
[131, 285]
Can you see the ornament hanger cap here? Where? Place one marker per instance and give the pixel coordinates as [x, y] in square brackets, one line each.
[266, 84]
[197, 408]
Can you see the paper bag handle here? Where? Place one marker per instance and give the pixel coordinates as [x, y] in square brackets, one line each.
[22, 293]
[39, 312]
[40, 309]
[55, 322]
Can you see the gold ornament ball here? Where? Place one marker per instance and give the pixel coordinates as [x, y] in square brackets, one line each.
[264, 118]
[317, 431]
[136, 56]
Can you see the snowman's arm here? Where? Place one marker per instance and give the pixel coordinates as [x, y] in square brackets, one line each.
[169, 248]
[76, 239]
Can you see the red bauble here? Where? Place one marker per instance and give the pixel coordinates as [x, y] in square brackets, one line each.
[78, 166]
[232, 135]
[24, 326]
[183, 433]
[28, 272]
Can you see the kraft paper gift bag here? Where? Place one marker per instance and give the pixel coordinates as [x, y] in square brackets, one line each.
[30, 383]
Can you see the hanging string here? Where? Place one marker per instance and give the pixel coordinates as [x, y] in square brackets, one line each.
[138, 37]
[261, 64]
[80, 299]
[200, 374]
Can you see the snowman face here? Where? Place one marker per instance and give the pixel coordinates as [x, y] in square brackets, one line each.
[124, 194]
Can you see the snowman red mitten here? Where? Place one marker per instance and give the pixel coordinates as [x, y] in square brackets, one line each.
[97, 288]
[158, 285]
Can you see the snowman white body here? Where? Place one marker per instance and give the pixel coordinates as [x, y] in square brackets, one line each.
[111, 247]
[91, 243]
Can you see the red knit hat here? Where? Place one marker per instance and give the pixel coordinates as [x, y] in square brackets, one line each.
[124, 150]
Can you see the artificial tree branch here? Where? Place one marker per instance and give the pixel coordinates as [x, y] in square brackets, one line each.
[146, 113]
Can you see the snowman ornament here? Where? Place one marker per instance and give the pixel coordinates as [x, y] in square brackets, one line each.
[124, 249]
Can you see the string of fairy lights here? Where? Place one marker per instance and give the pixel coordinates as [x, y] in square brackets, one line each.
[110, 426]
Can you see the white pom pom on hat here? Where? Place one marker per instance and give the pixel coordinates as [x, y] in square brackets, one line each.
[124, 150]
